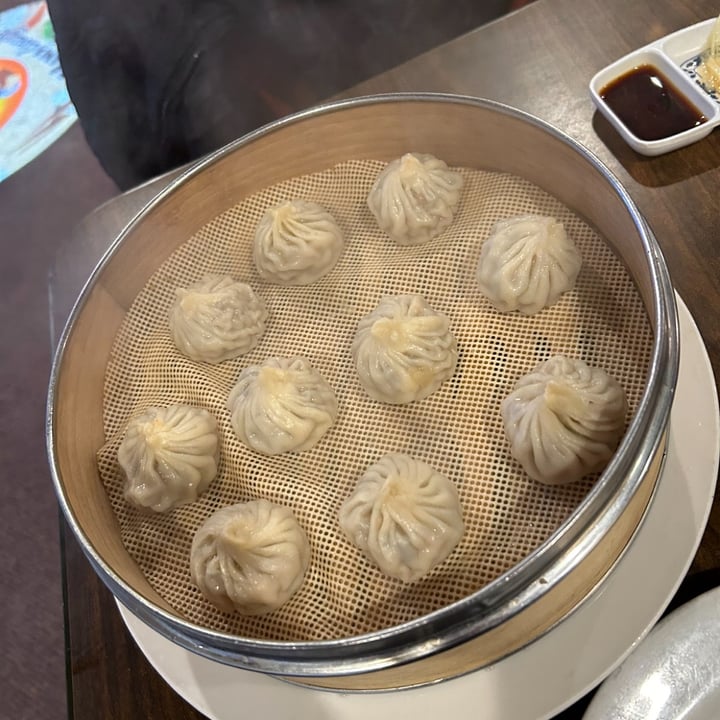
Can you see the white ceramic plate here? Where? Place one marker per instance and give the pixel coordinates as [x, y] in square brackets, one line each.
[673, 673]
[674, 56]
[558, 668]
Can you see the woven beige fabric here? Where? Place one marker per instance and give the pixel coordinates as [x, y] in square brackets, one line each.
[458, 429]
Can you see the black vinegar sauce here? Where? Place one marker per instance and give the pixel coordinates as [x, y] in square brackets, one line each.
[649, 105]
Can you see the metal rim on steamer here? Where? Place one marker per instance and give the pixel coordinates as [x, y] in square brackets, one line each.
[501, 599]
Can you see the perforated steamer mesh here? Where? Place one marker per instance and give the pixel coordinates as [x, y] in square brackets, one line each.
[458, 429]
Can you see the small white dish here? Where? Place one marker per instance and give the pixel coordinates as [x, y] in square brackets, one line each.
[673, 673]
[675, 56]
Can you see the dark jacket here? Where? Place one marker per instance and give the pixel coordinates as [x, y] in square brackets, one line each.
[159, 83]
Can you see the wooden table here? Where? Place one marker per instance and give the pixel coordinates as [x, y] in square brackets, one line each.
[539, 59]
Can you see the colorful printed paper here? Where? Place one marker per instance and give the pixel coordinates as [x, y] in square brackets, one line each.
[35, 108]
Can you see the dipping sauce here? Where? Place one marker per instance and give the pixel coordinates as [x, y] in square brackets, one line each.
[649, 105]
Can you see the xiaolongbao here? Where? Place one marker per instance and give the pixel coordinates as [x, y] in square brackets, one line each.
[169, 456]
[283, 405]
[250, 557]
[216, 319]
[414, 198]
[404, 515]
[404, 350]
[564, 420]
[296, 243]
[527, 263]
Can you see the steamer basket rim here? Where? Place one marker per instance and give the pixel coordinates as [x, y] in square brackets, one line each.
[504, 597]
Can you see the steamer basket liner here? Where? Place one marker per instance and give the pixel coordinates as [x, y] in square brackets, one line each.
[458, 429]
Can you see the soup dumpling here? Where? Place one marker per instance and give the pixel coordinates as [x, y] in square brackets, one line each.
[415, 197]
[404, 515]
[404, 350]
[297, 243]
[169, 456]
[250, 557]
[282, 405]
[564, 420]
[216, 319]
[527, 263]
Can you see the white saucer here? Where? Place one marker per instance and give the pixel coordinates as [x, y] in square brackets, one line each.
[557, 669]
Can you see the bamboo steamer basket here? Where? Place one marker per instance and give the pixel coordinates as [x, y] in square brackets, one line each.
[525, 601]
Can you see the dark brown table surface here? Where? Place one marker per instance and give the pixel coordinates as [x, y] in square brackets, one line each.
[539, 59]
